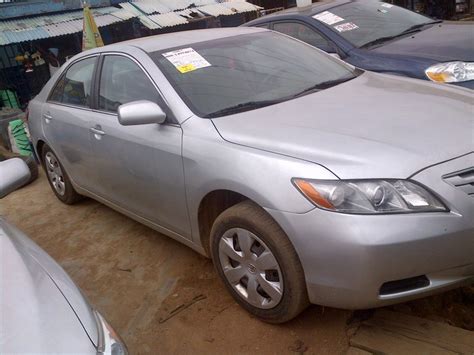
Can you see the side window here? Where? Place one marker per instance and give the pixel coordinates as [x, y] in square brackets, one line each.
[303, 33]
[263, 25]
[122, 81]
[74, 87]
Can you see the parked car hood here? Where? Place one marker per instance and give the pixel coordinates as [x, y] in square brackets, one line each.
[39, 302]
[374, 126]
[447, 41]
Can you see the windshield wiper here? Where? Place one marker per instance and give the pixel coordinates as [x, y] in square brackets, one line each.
[412, 29]
[416, 28]
[252, 105]
[322, 86]
[245, 106]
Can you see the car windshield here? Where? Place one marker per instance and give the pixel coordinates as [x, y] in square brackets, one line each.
[240, 73]
[365, 22]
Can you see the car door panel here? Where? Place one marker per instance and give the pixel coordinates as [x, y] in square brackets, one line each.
[66, 118]
[142, 171]
[141, 167]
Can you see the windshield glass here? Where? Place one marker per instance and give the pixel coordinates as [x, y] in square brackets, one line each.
[363, 22]
[245, 72]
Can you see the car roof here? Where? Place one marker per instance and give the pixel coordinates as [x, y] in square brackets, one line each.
[300, 11]
[179, 39]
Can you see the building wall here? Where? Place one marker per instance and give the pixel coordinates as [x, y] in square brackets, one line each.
[38, 7]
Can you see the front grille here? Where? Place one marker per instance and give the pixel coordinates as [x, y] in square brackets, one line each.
[463, 180]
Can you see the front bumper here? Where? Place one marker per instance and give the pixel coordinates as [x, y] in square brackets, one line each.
[348, 258]
[109, 342]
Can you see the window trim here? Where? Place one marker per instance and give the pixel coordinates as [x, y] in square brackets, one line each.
[63, 74]
[170, 119]
[303, 23]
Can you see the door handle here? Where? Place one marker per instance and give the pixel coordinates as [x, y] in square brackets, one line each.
[98, 133]
[47, 117]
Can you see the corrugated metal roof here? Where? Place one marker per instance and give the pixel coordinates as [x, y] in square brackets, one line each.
[190, 13]
[44, 20]
[106, 20]
[240, 6]
[202, 2]
[144, 19]
[175, 5]
[165, 6]
[123, 14]
[152, 7]
[25, 35]
[215, 10]
[39, 27]
[168, 20]
[64, 28]
[153, 14]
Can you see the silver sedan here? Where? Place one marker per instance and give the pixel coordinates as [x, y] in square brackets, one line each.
[305, 179]
[41, 309]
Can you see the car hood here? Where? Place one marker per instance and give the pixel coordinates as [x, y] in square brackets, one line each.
[374, 126]
[442, 42]
[42, 309]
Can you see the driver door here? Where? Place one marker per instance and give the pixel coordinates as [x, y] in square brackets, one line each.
[140, 167]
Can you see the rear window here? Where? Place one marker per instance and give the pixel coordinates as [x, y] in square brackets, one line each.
[74, 87]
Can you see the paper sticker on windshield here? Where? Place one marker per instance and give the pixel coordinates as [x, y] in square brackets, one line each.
[344, 27]
[328, 18]
[186, 60]
[388, 6]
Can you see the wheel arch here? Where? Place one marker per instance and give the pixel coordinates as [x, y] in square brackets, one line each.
[39, 149]
[211, 206]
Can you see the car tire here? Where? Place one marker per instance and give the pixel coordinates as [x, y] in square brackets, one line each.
[31, 162]
[248, 224]
[58, 178]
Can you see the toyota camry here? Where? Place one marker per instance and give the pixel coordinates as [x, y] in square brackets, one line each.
[305, 179]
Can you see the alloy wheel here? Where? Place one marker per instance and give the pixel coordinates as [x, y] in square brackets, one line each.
[251, 268]
[55, 173]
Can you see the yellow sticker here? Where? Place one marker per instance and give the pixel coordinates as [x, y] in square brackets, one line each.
[186, 68]
[186, 60]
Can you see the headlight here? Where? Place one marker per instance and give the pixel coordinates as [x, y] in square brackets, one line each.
[369, 196]
[109, 341]
[451, 72]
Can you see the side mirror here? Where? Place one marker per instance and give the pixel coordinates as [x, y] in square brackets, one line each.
[140, 112]
[14, 174]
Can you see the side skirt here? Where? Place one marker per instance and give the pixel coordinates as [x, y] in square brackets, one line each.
[147, 222]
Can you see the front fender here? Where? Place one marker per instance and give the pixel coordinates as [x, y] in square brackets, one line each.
[211, 163]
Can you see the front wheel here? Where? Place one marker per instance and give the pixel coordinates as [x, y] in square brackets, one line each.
[258, 264]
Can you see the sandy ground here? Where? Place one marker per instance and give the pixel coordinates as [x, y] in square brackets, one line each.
[162, 296]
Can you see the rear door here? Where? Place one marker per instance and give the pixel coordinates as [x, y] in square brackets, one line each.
[141, 167]
[66, 120]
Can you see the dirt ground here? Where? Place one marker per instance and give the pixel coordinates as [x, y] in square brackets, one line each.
[162, 296]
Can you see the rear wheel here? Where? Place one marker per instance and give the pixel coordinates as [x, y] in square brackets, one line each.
[258, 264]
[58, 179]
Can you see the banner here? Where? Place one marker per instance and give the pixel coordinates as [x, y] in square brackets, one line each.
[90, 33]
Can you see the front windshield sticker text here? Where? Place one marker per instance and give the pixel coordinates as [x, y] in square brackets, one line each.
[186, 60]
[328, 18]
[348, 26]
